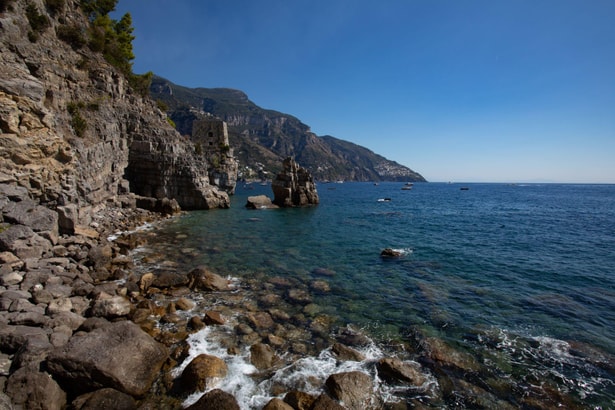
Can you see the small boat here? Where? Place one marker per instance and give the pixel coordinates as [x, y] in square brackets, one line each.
[384, 199]
[406, 188]
[464, 188]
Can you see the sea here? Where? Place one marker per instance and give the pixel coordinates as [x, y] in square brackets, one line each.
[517, 279]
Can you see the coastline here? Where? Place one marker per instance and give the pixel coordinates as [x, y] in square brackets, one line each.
[269, 342]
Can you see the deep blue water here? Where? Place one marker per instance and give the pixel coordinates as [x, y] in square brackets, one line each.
[533, 262]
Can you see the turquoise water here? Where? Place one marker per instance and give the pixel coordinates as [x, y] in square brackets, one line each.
[520, 270]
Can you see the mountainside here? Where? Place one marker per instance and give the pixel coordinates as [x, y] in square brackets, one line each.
[262, 138]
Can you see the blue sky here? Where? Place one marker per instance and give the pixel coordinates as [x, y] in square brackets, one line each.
[467, 90]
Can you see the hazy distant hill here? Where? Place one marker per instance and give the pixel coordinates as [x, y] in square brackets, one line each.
[262, 138]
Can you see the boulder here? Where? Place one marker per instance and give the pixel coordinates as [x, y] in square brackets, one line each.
[164, 280]
[393, 370]
[299, 400]
[104, 399]
[345, 353]
[202, 279]
[29, 213]
[260, 202]
[277, 404]
[118, 355]
[354, 389]
[31, 389]
[213, 318]
[215, 399]
[324, 402]
[110, 306]
[294, 186]
[200, 372]
[262, 356]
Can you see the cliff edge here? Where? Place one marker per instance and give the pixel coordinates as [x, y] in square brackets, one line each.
[73, 131]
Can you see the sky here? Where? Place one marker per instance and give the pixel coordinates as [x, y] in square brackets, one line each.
[457, 90]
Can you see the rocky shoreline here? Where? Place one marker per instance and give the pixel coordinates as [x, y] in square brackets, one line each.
[98, 320]
[81, 328]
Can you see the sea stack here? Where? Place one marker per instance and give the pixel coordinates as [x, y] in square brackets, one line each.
[294, 186]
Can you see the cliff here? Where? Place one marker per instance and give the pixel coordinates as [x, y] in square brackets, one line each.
[73, 131]
[262, 138]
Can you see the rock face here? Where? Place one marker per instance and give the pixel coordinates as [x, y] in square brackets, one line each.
[75, 134]
[294, 186]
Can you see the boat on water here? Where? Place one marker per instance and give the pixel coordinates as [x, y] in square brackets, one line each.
[384, 199]
[464, 188]
[407, 186]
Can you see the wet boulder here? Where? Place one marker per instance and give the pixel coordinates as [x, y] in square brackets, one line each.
[393, 370]
[216, 399]
[200, 372]
[202, 279]
[354, 389]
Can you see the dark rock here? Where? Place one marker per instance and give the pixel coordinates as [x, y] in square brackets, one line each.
[111, 307]
[260, 202]
[213, 318]
[299, 400]
[13, 337]
[215, 400]
[119, 355]
[29, 213]
[168, 279]
[104, 399]
[260, 320]
[391, 253]
[393, 370]
[445, 355]
[163, 206]
[294, 186]
[324, 402]
[33, 389]
[354, 389]
[202, 279]
[200, 372]
[345, 353]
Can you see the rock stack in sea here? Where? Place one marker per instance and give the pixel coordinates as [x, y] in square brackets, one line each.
[294, 186]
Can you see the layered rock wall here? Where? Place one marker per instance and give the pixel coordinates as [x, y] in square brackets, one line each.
[74, 133]
[294, 186]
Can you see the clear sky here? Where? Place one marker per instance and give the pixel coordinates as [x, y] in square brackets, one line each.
[457, 90]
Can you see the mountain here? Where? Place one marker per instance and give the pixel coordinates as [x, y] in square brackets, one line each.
[262, 138]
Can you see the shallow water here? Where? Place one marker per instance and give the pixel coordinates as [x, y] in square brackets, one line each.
[520, 276]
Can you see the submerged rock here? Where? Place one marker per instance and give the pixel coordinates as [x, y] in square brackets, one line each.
[391, 253]
[354, 389]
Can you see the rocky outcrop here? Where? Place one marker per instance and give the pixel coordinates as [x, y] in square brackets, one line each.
[74, 133]
[294, 186]
[260, 202]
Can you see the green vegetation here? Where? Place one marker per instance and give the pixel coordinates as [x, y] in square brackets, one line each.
[78, 123]
[72, 35]
[38, 22]
[171, 122]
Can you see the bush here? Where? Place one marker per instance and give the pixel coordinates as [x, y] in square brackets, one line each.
[38, 22]
[78, 123]
[171, 122]
[141, 83]
[71, 35]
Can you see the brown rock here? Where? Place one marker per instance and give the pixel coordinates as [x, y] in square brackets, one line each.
[260, 320]
[215, 400]
[324, 402]
[200, 372]
[262, 356]
[33, 389]
[260, 202]
[184, 304]
[277, 404]
[202, 279]
[299, 400]
[294, 186]
[117, 355]
[354, 389]
[104, 399]
[345, 353]
[213, 318]
[394, 370]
